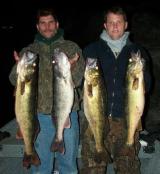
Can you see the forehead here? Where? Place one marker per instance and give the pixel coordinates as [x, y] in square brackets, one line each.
[115, 16]
[46, 18]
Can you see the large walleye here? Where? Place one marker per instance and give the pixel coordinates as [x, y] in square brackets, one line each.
[25, 105]
[135, 97]
[95, 104]
[63, 97]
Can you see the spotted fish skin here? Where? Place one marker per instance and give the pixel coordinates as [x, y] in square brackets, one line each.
[63, 97]
[26, 104]
[135, 95]
[94, 99]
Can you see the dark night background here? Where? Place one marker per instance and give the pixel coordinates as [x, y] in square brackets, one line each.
[82, 23]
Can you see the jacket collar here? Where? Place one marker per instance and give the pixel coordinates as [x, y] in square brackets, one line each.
[115, 45]
[47, 41]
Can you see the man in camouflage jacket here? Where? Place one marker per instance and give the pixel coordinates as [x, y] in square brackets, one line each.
[48, 38]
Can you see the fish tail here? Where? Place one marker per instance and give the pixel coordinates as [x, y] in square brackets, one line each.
[58, 146]
[29, 160]
[19, 135]
[26, 161]
[35, 159]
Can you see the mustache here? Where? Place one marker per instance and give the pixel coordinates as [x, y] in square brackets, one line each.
[49, 30]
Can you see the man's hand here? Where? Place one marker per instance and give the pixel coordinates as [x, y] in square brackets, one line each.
[74, 60]
[16, 56]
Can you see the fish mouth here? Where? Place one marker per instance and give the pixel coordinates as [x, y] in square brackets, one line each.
[31, 57]
[91, 63]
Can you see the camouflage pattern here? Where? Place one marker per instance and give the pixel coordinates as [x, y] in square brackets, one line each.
[125, 159]
[88, 155]
[45, 81]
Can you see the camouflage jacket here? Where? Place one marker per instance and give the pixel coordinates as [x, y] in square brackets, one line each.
[44, 48]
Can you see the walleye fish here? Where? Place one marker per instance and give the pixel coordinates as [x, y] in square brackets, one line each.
[63, 97]
[95, 104]
[25, 105]
[135, 95]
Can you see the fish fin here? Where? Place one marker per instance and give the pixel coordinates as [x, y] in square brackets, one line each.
[139, 126]
[67, 123]
[29, 160]
[58, 146]
[19, 135]
[135, 84]
[139, 111]
[35, 159]
[22, 88]
[89, 90]
[54, 119]
[26, 161]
